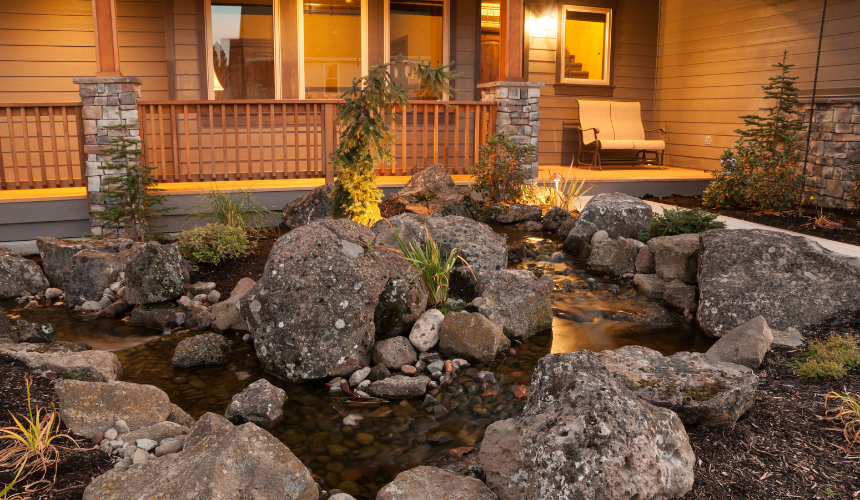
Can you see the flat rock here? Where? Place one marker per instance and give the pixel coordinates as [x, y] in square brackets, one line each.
[650, 285]
[394, 353]
[400, 387]
[676, 257]
[432, 483]
[613, 256]
[57, 254]
[18, 273]
[91, 407]
[616, 213]
[518, 301]
[155, 316]
[471, 335]
[259, 402]
[517, 212]
[200, 287]
[202, 350]
[70, 361]
[432, 192]
[790, 337]
[225, 314]
[745, 345]
[681, 295]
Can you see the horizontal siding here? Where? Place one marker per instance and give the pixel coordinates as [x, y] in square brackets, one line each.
[715, 56]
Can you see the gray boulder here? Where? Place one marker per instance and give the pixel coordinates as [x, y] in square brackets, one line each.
[583, 434]
[680, 295]
[432, 483]
[35, 333]
[616, 213]
[91, 407]
[700, 390]
[156, 316]
[225, 314]
[179, 416]
[554, 218]
[309, 207]
[69, 361]
[394, 353]
[432, 192]
[92, 270]
[471, 335]
[202, 350]
[645, 263]
[614, 257]
[217, 461]
[18, 274]
[57, 254]
[518, 301]
[399, 387]
[156, 274]
[676, 257]
[566, 227]
[745, 345]
[650, 285]
[199, 320]
[401, 302]
[260, 402]
[789, 280]
[517, 212]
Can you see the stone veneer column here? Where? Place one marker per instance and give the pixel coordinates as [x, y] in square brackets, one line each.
[517, 111]
[107, 101]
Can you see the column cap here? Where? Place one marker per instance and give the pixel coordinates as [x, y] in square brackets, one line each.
[107, 79]
[490, 85]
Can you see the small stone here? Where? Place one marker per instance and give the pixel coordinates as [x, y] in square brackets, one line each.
[364, 384]
[436, 366]
[184, 301]
[408, 370]
[139, 457]
[359, 376]
[213, 297]
[115, 286]
[242, 375]
[247, 338]
[121, 427]
[123, 464]
[116, 444]
[98, 438]
[421, 366]
[111, 434]
[379, 372]
[363, 439]
[91, 306]
[146, 444]
[168, 448]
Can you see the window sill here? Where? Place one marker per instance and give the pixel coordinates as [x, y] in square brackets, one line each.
[584, 85]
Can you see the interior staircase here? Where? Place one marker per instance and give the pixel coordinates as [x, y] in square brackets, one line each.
[573, 69]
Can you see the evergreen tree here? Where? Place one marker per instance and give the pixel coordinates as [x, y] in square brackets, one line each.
[130, 202]
[366, 117]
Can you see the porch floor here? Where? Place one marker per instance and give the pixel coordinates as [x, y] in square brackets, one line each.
[615, 174]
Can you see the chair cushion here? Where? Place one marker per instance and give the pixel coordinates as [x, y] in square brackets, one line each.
[649, 145]
[595, 114]
[616, 144]
[627, 120]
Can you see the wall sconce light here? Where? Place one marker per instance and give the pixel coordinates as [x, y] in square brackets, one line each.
[542, 24]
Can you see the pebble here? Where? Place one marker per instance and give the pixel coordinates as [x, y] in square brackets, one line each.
[213, 297]
[362, 394]
[436, 375]
[460, 363]
[146, 444]
[247, 338]
[408, 370]
[440, 410]
[116, 444]
[429, 356]
[139, 457]
[364, 384]
[105, 448]
[183, 301]
[115, 286]
[168, 448]
[359, 376]
[363, 438]
[111, 434]
[421, 365]
[242, 375]
[97, 438]
[432, 384]
[123, 464]
[121, 427]
[200, 297]
[488, 377]
[436, 366]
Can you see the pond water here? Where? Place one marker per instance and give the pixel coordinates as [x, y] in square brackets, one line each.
[591, 312]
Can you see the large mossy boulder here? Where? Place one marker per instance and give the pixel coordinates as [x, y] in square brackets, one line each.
[616, 213]
[789, 280]
[518, 301]
[432, 192]
[57, 254]
[309, 207]
[19, 274]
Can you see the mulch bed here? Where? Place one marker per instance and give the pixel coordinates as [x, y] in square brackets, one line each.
[782, 448]
[77, 467]
[849, 233]
[226, 274]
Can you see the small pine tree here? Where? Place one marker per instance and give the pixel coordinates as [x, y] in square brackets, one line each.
[130, 202]
[764, 169]
[366, 117]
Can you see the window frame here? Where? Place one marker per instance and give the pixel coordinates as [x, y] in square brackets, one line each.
[210, 63]
[446, 34]
[607, 45]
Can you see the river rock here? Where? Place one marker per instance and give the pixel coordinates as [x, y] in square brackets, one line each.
[432, 192]
[645, 263]
[218, 461]
[789, 280]
[115, 309]
[202, 350]
[198, 320]
[57, 254]
[18, 273]
[554, 218]
[155, 316]
[225, 314]
[309, 207]
[69, 361]
[700, 390]
[471, 335]
[425, 333]
[155, 275]
[154, 433]
[745, 345]
[432, 483]
[91, 407]
[400, 387]
[394, 353]
[35, 333]
[260, 402]
[583, 434]
[613, 257]
[680, 295]
[200, 288]
[519, 302]
[517, 212]
[616, 213]
[650, 285]
[676, 257]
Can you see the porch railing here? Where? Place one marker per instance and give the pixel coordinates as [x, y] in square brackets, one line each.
[192, 141]
[41, 146]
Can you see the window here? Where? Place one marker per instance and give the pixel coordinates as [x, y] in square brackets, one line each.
[585, 45]
[333, 46]
[243, 50]
[415, 32]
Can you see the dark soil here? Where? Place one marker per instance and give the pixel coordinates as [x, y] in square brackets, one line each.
[849, 232]
[782, 448]
[226, 274]
[76, 467]
[391, 206]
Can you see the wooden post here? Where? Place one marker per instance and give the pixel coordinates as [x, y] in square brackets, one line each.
[107, 46]
[511, 46]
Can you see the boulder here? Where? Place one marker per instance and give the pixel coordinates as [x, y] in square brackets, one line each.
[584, 435]
[92, 270]
[394, 353]
[471, 335]
[566, 227]
[399, 387]
[156, 274]
[199, 320]
[554, 218]
[401, 302]
[57, 254]
[202, 350]
[790, 337]
[676, 257]
[517, 212]
[18, 274]
[225, 314]
[519, 302]
[433, 483]
[69, 361]
[260, 402]
[218, 460]
[650, 285]
[115, 309]
[177, 415]
[613, 257]
[156, 316]
[432, 192]
[35, 333]
[680, 295]
[745, 345]
[155, 432]
[616, 213]
[789, 280]
[425, 333]
[528, 226]
[311, 313]
[645, 263]
[700, 390]
[309, 207]
[92, 407]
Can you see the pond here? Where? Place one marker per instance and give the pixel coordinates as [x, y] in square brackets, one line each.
[591, 312]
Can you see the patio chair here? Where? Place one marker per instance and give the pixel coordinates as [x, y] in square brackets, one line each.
[615, 126]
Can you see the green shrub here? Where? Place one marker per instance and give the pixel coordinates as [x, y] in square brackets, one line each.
[829, 358]
[434, 269]
[503, 168]
[236, 209]
[213, 243]
[681, 221]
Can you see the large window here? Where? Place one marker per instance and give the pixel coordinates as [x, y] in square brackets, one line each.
[243, 50]
[585, 45]
[332, 46]
[416, 33]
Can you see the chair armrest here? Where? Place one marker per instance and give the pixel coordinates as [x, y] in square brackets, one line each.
[661, 130]
[581, 130]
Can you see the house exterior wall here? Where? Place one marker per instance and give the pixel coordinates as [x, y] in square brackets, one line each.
[715, 56]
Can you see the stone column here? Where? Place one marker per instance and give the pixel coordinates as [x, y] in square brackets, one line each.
[107, 101]
[517, 111]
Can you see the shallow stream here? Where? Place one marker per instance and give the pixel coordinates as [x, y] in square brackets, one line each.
[592, 312]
